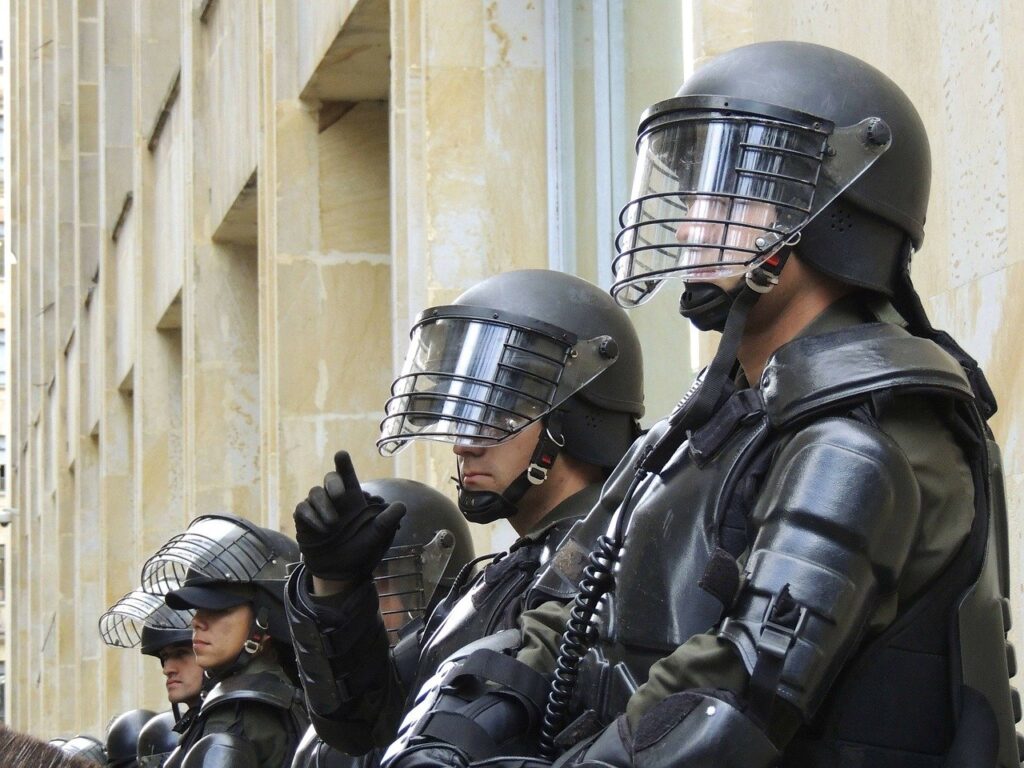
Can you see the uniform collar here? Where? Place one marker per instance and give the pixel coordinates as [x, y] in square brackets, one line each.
[576, 505]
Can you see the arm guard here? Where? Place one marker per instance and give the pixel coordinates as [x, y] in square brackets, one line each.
[344, 664]
[481, 703]
[836, 523]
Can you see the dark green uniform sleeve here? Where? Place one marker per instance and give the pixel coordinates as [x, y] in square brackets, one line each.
[542, 630]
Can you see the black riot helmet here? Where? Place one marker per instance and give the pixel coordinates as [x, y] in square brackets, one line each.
[430, 549]
[143, 619]
[123, 736]
[86, 748]
[520, 347]
[157, 740]
[763, 146]
[222, 561]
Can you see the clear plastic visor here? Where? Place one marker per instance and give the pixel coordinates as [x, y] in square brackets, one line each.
[407, 578]
[121, 626]
[716, 193]
[479, 382]
[212, 547]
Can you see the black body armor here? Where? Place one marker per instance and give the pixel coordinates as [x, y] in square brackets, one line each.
[263, 688]
[943, 665]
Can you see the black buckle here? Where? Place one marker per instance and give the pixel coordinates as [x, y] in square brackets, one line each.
[778, 628]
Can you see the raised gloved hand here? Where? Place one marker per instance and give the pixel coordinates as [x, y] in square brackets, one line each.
[342, 532]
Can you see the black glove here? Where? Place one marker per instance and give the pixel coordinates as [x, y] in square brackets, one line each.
[342, 532]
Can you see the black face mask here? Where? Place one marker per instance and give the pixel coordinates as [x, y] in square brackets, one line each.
[706, 305]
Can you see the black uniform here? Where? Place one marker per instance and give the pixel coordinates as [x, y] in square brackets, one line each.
[490, 602]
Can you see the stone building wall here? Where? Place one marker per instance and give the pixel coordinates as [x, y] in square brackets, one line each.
[225, 214]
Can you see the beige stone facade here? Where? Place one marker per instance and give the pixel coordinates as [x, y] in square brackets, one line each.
[225, 213]
[6, 511]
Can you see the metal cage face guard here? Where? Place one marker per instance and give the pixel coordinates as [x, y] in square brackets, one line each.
[121, 626]
[721, 184]
[407, 578]
[479, 376]
[214, 547]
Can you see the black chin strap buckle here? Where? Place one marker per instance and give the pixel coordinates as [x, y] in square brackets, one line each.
[544, 455]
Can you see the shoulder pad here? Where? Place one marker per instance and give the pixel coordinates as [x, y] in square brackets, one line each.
[263, 687]
[221, 750]
[815, 373]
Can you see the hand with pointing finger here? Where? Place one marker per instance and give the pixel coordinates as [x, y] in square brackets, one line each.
[342, 532]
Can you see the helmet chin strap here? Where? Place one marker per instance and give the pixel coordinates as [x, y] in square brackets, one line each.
[695, 410]
[488, 506]
[707, 305]
[250, 648]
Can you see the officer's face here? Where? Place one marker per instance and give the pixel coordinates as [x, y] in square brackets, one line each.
[704, 226]
[495, 467]
[183, 676]
[218, 636]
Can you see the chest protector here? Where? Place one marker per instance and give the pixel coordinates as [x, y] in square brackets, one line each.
[491, 603]
[262, 688]
[676, 574]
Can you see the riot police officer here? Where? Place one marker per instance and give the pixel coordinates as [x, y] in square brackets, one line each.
[536, 377]
[143, 619]
[231, 572]
[828, 500]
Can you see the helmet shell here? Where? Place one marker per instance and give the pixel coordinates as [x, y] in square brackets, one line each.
[601, 420]
[123, 735]
[858, 238]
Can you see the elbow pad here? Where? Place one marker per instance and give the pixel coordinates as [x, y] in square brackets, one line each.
[835, 527]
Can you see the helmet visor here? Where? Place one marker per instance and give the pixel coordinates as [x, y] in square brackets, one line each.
[122, 625]
[721, 185]
[407, 578]
[212, 548]
[479, 377]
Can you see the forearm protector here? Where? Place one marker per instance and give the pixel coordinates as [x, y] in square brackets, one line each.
[344, 666]
[480, 704]
[835, 527]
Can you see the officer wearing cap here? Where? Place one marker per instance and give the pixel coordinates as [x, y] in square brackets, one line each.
[231, 572]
